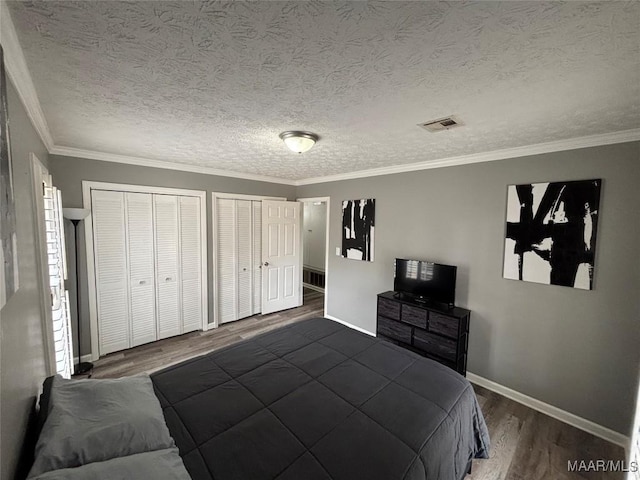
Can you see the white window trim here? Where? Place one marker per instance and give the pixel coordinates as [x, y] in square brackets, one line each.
[87, 186]
[40, 175]
[214, 237]
[327, 253]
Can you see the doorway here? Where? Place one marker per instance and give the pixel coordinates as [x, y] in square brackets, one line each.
[315, 249]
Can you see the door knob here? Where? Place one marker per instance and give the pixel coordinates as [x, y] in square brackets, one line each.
[266, 264]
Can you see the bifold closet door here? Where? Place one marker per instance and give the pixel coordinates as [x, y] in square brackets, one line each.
[190, 263]
[239, 258]
[142, 291]
[112, 285]
[226, 260]
[245, 262]
[167, 285]
[257, 256]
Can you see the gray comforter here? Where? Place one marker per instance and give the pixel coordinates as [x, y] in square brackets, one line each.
[317, 400]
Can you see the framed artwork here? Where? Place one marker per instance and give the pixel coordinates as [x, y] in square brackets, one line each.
[551, 232]
[358, 229]
[8, 237]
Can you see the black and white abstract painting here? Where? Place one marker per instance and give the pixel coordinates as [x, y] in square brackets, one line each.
[551, 232]
[358, 227]
[8, 238]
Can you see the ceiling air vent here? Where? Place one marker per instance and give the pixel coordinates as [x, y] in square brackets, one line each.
[441, 124]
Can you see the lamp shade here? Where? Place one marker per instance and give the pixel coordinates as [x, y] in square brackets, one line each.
[299, 142]
[75, 213]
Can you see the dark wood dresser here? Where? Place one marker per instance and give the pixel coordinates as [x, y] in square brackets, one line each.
[431, 330]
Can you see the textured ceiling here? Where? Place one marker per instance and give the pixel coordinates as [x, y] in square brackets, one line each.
[214, 83]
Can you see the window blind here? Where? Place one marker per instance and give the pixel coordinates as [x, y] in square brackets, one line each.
[56, 255]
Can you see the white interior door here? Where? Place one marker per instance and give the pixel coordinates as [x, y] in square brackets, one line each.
[112, 283]
[142, 291]
[190, 263]
[168, 285]
[281, 256]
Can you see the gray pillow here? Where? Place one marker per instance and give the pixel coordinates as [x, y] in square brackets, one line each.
[97, 420]
[158, 465]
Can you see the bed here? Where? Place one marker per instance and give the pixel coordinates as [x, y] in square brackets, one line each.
[314, 400]
[318, 400]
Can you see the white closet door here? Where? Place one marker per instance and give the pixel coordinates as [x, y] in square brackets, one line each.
[256, 267]
[190, 263]
[167, 268]
[226, 260]
[139, 220]
[245, 262]
[112, 284]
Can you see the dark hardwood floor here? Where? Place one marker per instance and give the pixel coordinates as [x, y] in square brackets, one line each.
[529, 445]
[157, 355]
[526, 444]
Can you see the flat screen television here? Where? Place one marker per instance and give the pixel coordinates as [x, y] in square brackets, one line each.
[426, 281]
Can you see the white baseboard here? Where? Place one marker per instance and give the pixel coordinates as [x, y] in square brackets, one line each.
[555, 412]
[347, 324]
[313, 287]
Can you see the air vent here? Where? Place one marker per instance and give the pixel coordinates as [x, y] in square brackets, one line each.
[441, 124]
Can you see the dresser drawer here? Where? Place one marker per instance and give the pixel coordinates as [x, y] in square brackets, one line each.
[389, 308]
[435, 344]
[414, 316]
[396, 330]
[443, 324]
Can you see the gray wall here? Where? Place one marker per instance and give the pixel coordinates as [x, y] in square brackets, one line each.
[575, 349]
[22, 352]
[314, 234]
[68, 174]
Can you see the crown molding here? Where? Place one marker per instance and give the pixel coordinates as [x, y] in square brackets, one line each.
[18, 72]
[507, 153]
[147, 162]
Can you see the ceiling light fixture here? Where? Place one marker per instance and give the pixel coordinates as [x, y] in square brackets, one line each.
[299, 141]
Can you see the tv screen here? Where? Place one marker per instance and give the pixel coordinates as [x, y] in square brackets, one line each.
[426, 280]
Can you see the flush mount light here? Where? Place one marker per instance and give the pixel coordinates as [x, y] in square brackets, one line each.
[299, 141]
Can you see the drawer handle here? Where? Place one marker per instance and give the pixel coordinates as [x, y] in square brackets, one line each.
[168, 279]
[143, 282]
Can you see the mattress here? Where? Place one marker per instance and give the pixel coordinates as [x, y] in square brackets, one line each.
[318, 400]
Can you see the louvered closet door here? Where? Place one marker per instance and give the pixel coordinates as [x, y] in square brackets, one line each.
[190, 263]
[167, 238]
[111, 270]
[244, 225]
[256, 267]
[139, 220]
[226, 260]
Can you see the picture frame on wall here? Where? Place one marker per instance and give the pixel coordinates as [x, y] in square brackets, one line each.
[551, 232]
[9, 278]
[358, 229]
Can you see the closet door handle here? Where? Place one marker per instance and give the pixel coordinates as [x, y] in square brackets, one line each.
[266, 264]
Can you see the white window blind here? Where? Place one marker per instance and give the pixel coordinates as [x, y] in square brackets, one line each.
[56, 255]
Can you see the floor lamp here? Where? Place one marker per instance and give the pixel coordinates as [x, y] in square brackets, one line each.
[76, 215]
